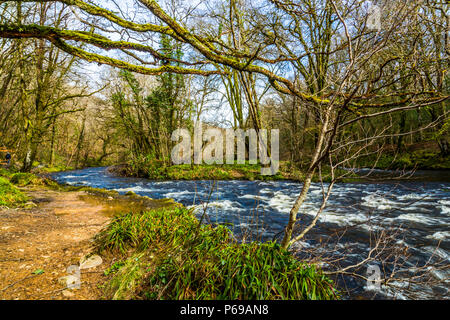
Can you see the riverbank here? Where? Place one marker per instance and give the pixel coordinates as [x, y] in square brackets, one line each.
[249, 172]
[40, 242]
[407, 160]
[419, 160]
[46, 228]
[147, 252]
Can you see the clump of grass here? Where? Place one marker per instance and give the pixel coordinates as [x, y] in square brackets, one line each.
[127, 278]
[6, 173]
[140, 230]
[23, 179]
[10, 196]
[237, 271]
[169, 255]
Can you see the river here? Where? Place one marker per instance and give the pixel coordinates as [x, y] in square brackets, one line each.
[415, 213]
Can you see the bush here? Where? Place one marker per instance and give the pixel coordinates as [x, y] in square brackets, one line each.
[420, 159]
[168, 255]
[10, 195]
[5, 173]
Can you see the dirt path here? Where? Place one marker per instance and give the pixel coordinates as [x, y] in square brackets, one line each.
[50, 237]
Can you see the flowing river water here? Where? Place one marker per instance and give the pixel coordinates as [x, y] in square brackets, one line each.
[412, 214]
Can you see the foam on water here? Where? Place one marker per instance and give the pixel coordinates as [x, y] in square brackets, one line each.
[225, 204]
[256, 198]
[281, 202]
[444, 206]
[412, 196]
[135, 189]
[71, 177]
[341, 219]
[440, 235]
[418, 218]
[78, 183]
[378, 202]
[316, 192]
[441, 253]
[179, 193]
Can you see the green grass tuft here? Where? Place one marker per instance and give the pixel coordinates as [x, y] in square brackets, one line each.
[22, 179]
[6, 173]
[10, 196]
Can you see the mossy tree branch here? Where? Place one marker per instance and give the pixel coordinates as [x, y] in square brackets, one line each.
[57, 37]
[174, 29]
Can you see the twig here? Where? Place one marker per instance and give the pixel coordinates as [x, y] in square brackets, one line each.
[14, 283]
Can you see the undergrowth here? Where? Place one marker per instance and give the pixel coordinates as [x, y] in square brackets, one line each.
[167, 254]
[10, 196]
[420, 159]
[157, 170]
[23, 179]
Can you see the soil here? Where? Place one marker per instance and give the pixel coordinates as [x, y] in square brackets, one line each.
[38, 245]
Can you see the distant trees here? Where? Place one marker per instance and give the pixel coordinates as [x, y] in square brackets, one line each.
[435, 19]
[36, 84]
[405, 69]
[146, 114]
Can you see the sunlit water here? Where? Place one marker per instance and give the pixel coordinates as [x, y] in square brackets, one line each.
[419, 209]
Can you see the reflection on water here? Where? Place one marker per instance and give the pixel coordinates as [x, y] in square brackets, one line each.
[114, 207]
[420, 209]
